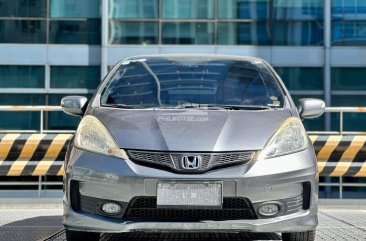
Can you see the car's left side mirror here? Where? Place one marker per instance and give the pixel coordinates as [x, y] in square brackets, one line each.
[74, 105]
[310, 108]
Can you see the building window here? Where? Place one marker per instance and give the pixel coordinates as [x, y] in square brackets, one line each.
[348, 33]
[75, 22]
[70, 22]
[298, 33]
[302, 78]
[133, 32]
[133, 9]
[23, 21]
[22, 31]
[188, 33]
[75, 32]
[217, 22]
[188, 9]
[231, 33]
[16, 76]
[263, 22]
[294, 33]
[270, 10]
[23, 8]
[348, 9]
[75, 9]
[297, 10]
[349, 78]
[81, 77]
[349, 22]
[236, 9]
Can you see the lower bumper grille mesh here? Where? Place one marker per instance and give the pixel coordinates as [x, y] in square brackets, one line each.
[232, 209]
[294, 205]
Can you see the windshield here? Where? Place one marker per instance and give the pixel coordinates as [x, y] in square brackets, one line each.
[182, 81]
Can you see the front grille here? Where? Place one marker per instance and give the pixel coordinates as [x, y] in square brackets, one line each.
[172, 160]
[151, 157]
[232, 209]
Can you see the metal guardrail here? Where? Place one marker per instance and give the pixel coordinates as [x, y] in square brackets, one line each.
[39, 108]
[43, 109]
[341, 111]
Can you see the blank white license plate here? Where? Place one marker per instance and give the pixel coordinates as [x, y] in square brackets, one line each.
[189, 195]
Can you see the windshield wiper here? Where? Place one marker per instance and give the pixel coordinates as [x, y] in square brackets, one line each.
[188, 105]
[246, 107]
[199, 106]
[221, 106]
[123, 106]
[194, 106]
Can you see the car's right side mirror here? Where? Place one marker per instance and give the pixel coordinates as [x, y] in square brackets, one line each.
[310, 108]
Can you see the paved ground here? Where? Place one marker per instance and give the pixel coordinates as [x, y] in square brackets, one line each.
[45, 223]
[29, 224]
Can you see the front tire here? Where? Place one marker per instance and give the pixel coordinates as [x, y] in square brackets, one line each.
[299, 236]
[79, 235]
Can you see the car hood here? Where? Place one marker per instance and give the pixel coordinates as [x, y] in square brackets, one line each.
[191, 130]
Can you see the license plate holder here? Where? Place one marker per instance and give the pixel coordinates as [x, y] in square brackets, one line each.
[189, 195]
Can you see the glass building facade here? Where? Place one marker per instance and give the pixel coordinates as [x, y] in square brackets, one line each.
[53, 48]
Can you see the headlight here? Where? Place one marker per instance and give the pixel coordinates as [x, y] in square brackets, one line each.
[92, 136]
[289, 138]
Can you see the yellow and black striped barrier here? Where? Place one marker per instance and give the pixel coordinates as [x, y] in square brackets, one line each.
[340, 155]
[33, 154]
[44, 154]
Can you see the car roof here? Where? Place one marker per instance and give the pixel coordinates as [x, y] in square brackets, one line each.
[194, 56]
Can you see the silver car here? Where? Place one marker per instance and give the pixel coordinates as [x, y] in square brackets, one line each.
[191, 143]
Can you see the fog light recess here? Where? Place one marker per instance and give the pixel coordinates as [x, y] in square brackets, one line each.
[269, 209]
[111, 208]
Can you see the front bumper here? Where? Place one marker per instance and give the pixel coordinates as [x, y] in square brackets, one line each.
[291, 223]
[264, 180]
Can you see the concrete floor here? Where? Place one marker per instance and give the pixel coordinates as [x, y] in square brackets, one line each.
[43, 222]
